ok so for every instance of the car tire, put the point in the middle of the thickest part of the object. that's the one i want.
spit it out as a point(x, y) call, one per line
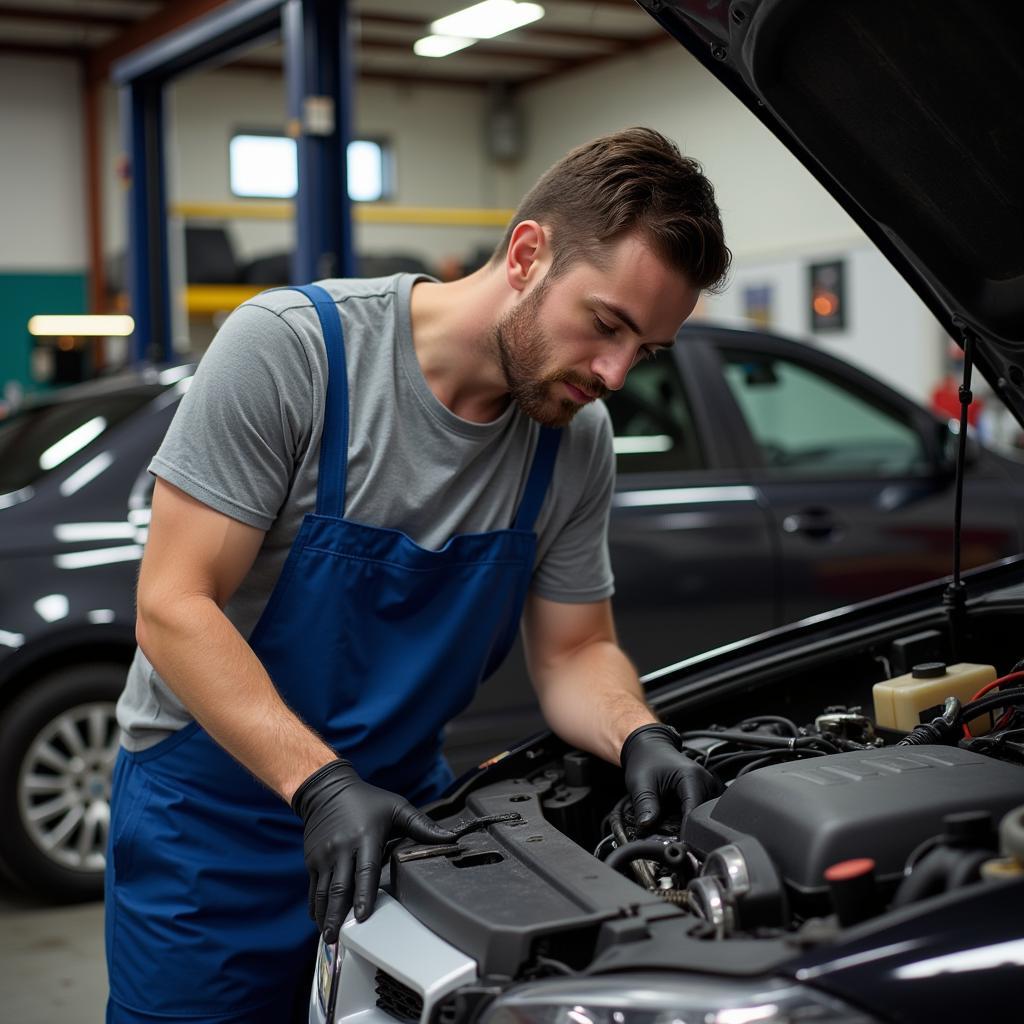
point(58, 742)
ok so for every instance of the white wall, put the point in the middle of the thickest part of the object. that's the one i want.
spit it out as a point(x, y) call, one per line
point(42, 186)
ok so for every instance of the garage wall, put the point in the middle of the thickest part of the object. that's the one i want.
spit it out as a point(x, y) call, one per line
point(42, 217)
point(888, 331)
point(777, 217)
point(436, 133)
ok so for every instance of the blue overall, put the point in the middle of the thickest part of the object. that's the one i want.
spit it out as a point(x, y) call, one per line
point(376, 643)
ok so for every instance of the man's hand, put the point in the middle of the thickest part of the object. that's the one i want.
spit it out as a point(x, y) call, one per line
point(347, 824)
point(654, 767)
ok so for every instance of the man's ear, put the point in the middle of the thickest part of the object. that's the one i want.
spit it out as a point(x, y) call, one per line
point(528, 255)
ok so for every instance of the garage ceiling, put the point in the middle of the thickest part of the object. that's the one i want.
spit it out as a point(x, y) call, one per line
point(572, 34)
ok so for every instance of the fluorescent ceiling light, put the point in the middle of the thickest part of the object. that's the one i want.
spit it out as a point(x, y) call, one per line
point(488, 19)
point(439, 46)
point(51, 326)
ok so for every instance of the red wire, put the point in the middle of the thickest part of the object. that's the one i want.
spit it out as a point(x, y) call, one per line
point(991, 686)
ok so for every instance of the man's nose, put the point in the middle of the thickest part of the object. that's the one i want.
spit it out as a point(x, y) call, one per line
point(612, 367)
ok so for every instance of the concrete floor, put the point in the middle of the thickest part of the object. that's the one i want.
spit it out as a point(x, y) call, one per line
point(52, 967)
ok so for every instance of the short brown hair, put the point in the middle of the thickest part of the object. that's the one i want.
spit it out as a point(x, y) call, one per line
point(634, 179)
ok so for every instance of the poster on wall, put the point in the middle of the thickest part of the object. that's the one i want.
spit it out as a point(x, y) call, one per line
point(757, 304)
point(827, 288)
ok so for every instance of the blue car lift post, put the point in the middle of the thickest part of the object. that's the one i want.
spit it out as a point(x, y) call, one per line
point(318, 72)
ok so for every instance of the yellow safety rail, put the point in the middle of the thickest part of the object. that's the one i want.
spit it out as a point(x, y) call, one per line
point(443, 216)
point(206, 299)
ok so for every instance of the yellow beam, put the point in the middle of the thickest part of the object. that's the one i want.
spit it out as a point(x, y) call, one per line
point(444, 216)
point(205, 299)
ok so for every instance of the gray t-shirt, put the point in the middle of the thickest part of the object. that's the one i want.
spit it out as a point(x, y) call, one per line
point(246, 442)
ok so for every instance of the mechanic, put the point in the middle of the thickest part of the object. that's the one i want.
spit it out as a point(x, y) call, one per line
point(367, 486)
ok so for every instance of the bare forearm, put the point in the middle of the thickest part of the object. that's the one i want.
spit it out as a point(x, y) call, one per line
point(216, 675)
point(593, 699)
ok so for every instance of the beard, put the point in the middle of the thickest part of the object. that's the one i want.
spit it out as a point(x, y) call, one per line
point(525, 353)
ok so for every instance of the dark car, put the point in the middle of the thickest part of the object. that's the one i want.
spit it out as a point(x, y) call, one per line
point(715, 485)
point(865, 860)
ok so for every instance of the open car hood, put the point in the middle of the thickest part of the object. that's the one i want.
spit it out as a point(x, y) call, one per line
point(910, 114)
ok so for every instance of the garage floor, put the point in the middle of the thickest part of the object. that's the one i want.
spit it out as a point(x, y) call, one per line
point(52, 966)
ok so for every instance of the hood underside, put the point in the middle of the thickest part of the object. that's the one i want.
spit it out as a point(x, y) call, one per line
point(910, 114)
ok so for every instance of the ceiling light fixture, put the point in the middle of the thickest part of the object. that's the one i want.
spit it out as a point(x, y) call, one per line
point(440, 46)
point(83, 325)
point(488, 19)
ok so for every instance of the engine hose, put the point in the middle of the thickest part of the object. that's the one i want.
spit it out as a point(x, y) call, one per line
point(642, 870)
point(996, 699)
point(940, 870)
point(671, 855)
point(766, 740)
point(969, 868)
point(927, 879)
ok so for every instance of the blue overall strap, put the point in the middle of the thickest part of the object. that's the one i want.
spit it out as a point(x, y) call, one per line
point(540, 477)
point(330, 492)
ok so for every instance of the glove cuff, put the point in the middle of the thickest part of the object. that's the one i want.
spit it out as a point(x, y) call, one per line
point(312, 783)
point(651, 730)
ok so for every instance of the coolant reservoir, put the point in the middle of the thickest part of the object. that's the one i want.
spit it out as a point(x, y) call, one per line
point(900, 701)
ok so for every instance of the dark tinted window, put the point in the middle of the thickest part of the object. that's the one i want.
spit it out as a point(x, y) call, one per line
point(41, 438)
point(808, 423)
point(652, 422)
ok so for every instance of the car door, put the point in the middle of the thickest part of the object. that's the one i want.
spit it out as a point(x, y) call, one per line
point(691, 539)
point(856, 477)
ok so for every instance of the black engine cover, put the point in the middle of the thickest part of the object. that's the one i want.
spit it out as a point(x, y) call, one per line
point(873, 803)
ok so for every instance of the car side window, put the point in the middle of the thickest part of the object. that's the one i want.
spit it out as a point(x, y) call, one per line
point(808, 423)
point(651, 421)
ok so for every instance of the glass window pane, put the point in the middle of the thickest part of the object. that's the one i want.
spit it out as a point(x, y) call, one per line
point(651, 421)
point(365, 171)
point(266, 167)
point(807, 423)
point(263, 166)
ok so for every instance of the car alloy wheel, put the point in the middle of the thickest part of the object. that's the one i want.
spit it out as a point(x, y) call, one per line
point(64, 785)
point(58, 743)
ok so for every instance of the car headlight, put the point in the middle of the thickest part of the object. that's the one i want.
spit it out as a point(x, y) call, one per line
point(328, 967)
point(657, 999)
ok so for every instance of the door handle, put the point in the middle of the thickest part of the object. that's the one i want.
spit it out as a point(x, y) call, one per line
point(818, 524)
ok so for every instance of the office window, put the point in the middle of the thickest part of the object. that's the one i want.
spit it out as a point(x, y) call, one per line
point(263, 166)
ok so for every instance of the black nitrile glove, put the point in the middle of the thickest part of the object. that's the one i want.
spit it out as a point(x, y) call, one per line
point(348, 822)
point(654, 767)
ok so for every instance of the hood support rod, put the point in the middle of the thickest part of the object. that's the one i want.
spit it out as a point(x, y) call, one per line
point(955, 596)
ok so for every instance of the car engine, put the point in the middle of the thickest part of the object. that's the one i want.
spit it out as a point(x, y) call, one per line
point(824, 818)
point(832, 817)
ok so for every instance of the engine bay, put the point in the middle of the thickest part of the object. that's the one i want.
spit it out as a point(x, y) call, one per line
point(829, 822)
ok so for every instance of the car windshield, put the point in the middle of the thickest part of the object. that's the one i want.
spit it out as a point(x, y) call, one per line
point(42, 437)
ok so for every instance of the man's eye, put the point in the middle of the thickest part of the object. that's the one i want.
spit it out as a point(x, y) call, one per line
point(648, 353)
point(602, 327)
